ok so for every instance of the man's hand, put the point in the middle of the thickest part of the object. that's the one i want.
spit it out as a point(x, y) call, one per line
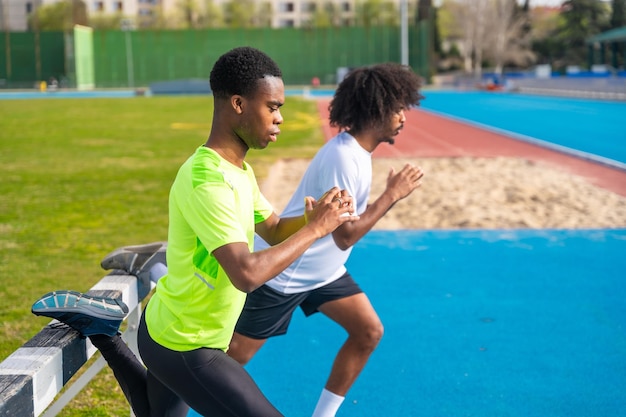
point(401, 184)
point(332, 210)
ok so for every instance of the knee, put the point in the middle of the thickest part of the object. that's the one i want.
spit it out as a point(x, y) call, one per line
point(377, 333)
point(370, 335)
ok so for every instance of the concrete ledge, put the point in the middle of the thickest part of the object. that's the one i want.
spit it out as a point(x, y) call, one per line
point(32, 376)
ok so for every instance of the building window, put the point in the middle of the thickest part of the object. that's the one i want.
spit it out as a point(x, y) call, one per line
point(29, 8)
point(286, 23)
point(310, 7)
point(99, 6)
point(119, 6)
point(286, 7)
point(345, 6)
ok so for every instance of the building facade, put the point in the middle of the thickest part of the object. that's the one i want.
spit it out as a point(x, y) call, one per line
point(278, 13)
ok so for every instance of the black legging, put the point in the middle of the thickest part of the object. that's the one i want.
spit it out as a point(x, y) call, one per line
point(208, 380)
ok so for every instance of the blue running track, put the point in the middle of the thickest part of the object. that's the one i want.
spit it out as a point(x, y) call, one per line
point(486, 323)
point(593, 126)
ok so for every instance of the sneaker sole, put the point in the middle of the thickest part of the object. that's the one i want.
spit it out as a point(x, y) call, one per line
point(60, 302)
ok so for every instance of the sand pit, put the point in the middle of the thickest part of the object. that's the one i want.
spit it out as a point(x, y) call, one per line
point(478, 193)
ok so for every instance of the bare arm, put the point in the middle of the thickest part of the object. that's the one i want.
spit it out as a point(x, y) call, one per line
point(276, 229)
point(248, 270)
point(399, 186)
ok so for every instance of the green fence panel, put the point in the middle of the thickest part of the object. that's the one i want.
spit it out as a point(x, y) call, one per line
point(83, 57)
point(29, 57)
point(5, 60)
point(21, 55)
point(143, 57)
point(138, 58)
point(52, 55)
point(420, 49)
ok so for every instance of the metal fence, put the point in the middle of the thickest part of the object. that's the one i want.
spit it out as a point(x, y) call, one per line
point(26, 58)
point(130, 59)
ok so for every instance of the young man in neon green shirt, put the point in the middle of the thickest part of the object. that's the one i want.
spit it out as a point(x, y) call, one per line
point(215, 207)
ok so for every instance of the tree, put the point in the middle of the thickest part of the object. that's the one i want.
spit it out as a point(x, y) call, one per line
point(580, 19)
point(447, 21)
point(618, 19)
point(321, 19)
point(429, 14)
point(239, 13)
point(508, 35)
point(212, 16)
point(377, 13)
point(495, 30)
point(544, 42)
point(190, 12)
point(157, 20)
point(424, 8)
point(106, 21)
point(368, 13)
point(263, 17)
point(61, 16)
point(470, 16)
point(618, 13)
point(449, 36)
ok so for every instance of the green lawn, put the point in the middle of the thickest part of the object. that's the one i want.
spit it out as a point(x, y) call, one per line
point(81, 177)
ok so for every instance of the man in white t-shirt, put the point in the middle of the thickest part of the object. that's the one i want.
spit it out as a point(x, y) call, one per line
point(368, 107)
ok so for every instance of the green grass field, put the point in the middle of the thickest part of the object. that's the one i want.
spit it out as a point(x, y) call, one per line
point(81, 177)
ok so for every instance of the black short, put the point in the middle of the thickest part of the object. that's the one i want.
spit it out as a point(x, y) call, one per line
point(268, 312)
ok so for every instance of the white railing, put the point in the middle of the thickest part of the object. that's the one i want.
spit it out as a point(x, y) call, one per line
point(33, 375)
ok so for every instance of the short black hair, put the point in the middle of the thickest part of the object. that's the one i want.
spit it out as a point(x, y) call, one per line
point(238, 70)
point(370, 95)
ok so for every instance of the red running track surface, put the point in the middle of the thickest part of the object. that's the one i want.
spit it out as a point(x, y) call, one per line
point(428, 135)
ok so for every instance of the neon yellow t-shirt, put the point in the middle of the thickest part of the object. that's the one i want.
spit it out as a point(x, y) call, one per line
point(212, 203)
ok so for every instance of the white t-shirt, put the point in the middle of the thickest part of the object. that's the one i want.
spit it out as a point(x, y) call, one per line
point(340, 162)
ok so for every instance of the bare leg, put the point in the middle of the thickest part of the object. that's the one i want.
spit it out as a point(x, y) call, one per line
point(243, 348)
point(357, 316)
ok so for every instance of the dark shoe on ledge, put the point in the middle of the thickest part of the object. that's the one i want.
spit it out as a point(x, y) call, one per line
point(147, 262)
point(89, 315)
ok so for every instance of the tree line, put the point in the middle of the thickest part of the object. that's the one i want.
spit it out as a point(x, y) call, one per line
point(468, 35)
point(205, 14)
point(496, 34)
